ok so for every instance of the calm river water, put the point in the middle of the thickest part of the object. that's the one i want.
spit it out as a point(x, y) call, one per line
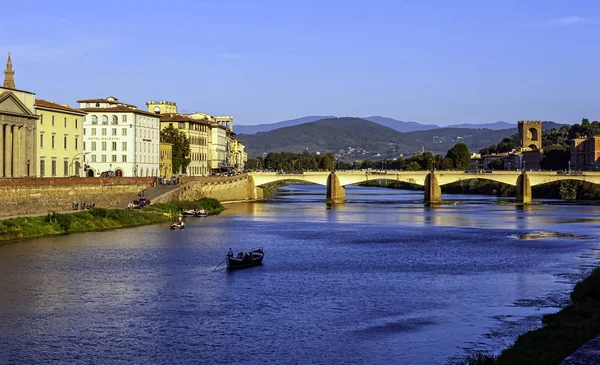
point(379, 280)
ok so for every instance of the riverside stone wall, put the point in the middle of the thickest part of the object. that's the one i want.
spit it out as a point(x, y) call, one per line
point(23, 196)
point(236, 188)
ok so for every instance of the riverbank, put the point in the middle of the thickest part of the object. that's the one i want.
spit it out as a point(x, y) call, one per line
point(97, 219)
point(561, 334)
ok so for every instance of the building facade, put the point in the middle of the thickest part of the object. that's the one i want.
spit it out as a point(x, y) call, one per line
point(585, 153)
point(59, 140)
point(166, 160)
point(18, 125)
point(121, 138)
point(196, 130)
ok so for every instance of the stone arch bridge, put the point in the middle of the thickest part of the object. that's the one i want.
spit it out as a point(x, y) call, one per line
point(431, 180)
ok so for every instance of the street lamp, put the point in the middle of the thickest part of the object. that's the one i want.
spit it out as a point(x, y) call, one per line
point(73, 160)
point(569, 171)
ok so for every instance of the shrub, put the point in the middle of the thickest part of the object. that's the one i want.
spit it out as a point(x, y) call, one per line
point(98, 212)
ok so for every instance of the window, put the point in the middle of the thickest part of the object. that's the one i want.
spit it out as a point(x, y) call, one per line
point(42, 119)
point(83, 148)
point(93, 131)
point(93, 158)
point(124, 119)
point(124, 158)
point(93, 146)
point(94, 119)
point(65, 122)
point(124, 146)
point(75, 123)
point(103, 158)
point(53, 140)
point(114, 131)
point(53, 167)
point(42, 167)
point(66, 167)
point(114, 120)
point(97, 105)
point(114, 158)
point(114, 146)
point(104, 120)
point(41, 140)
point(104, 131)
point(53, 125)
point(103, 146)
point(76, 142)
point(84, 129)
point(65, 140)
point(124, 132)
point(181, 125)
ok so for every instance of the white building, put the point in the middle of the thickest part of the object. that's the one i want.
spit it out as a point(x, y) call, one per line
point(119, 137)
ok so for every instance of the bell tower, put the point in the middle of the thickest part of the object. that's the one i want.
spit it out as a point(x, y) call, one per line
point(9, 75)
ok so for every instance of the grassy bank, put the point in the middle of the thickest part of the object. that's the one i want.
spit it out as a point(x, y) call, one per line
point(562, 333)
point(98, 219)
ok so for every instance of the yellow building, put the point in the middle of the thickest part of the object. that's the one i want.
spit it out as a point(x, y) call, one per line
point(197, 131)
point(166, 160)
point(17, 128)
point(162, 107)
point(59, 139)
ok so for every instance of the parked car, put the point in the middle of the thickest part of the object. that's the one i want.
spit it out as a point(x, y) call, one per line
point(144, 201)
point(108, 174)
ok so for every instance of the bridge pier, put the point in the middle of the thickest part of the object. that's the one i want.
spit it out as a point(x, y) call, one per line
point(252, 191)
point(433, 192)
point(336, 193)
point(524, 195)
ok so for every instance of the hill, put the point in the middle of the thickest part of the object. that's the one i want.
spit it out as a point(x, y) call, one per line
point(401, 126)
point(494, 126)
point(348, 138)
point(250, 129)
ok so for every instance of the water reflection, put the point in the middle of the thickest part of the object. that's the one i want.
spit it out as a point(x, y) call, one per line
point(376, 280)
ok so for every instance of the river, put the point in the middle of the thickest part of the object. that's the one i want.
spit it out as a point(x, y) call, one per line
point(378, 280)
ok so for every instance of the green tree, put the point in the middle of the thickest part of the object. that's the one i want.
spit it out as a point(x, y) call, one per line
point(460, 156)
point(413, 166)
point(181, 147)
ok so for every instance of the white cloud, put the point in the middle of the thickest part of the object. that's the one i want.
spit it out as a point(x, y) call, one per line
point(567, 20)
point(229, 56)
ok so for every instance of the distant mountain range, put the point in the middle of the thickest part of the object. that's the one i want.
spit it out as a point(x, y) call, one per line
point(356, 138)
point(398, 125)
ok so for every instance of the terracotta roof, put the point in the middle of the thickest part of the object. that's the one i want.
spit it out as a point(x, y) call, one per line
point(120, 109)
point(105, 101)
point(180, 118)
point(41, 103)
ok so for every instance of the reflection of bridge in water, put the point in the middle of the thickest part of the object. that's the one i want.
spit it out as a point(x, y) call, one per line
point(431, 180)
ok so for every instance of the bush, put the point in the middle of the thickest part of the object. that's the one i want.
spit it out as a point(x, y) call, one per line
point(98, 212)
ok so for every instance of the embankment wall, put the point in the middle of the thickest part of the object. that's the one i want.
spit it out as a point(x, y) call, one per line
point(22, 196)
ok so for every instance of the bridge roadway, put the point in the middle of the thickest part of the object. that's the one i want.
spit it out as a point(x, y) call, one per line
point(431, 180)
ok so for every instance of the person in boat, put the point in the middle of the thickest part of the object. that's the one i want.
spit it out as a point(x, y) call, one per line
point(230, 253)
point(240, 255)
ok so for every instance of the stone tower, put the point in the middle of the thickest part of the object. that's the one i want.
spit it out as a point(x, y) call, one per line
point(9, 75)
point(530, 133)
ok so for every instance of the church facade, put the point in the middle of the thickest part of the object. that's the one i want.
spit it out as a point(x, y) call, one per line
point(18, 128)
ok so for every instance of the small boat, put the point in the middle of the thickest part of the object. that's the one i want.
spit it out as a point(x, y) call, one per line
point(189, 212)
point(253, 258)
point(200, 213)
point(178, 225)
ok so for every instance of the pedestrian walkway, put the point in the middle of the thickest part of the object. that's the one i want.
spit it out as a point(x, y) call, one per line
point(586, 354)
point(150, 193)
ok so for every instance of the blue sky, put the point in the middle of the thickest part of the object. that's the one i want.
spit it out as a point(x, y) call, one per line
point(439, 62)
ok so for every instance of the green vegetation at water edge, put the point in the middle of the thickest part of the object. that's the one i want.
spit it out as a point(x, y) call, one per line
point(91, 220)
point(561, 335)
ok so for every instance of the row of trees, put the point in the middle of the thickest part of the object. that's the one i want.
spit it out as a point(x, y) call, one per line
point(458, 157)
